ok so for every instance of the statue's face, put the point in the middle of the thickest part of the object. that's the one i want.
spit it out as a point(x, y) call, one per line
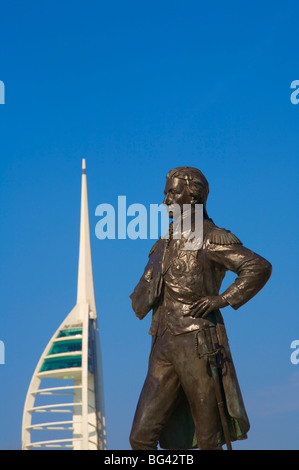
point(176, 192)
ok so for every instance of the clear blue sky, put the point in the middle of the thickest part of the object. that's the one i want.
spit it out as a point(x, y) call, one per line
point(137, 88)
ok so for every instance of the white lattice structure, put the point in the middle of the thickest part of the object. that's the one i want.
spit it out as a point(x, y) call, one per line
point(64, 407)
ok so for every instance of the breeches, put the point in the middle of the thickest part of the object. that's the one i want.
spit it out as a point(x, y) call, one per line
point(175, 363)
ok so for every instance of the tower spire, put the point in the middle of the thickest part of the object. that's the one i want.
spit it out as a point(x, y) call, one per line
point(85, 287)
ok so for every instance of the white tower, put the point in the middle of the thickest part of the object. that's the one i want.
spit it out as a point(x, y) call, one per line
point(64, 407)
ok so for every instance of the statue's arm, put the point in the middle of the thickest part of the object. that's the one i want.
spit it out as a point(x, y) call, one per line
point(139, 297)
point(147, 292)
point(253, 271)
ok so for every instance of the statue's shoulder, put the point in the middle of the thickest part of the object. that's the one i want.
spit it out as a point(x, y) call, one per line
point(220, 236)
point(159, 245)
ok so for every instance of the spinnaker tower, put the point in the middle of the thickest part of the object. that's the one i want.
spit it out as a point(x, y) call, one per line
point(64, 406)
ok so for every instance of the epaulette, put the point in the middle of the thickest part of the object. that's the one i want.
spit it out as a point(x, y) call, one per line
point(221, 236)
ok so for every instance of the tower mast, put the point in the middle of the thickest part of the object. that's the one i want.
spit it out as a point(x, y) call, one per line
point(85, 289)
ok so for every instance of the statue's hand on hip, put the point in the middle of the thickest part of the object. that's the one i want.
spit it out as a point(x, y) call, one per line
point(208, 304)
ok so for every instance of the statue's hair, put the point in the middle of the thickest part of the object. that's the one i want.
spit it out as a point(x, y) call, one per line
point(197, 183)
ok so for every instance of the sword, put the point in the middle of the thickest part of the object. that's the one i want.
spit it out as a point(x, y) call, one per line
point(212, 355)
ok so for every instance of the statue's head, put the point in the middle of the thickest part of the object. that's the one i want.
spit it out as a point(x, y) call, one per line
point(186, 185)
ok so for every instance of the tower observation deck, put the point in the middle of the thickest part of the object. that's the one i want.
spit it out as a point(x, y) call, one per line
point(64, 406)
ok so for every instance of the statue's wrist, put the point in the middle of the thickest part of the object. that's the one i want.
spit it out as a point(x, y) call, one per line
point(224, 301)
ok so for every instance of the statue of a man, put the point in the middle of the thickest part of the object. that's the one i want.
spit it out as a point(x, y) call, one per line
point(190, 361)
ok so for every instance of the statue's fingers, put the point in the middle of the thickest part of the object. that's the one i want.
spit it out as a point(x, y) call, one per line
point(200, 310)
point(206, 313)
point(200, 302)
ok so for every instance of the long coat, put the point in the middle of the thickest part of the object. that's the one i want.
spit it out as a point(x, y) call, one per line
point(188, 277)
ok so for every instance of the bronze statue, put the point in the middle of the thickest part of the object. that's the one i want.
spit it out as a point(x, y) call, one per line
point(191, 396)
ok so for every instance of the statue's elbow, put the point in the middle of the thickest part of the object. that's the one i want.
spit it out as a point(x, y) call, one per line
point(267, 270)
